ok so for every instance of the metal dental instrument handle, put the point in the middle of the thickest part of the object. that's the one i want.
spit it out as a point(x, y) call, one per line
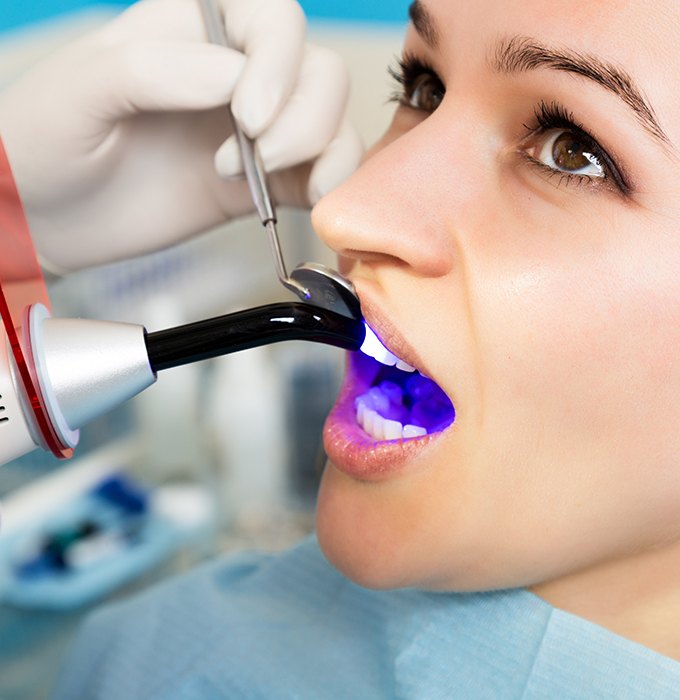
point(252, 163)
point(312, 282)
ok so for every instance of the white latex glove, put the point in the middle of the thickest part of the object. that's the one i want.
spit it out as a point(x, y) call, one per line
point(117, 140)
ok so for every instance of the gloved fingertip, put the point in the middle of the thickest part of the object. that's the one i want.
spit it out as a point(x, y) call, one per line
point(254, 113)
point(322, 181)
point(342, 157)
point(236, 177)
point(333, 168)
point(228, 161)
point(314, 194)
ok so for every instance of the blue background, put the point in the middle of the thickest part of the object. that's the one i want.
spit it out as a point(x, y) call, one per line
point(15, 14)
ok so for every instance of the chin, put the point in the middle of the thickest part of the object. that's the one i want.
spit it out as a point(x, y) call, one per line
point(381, 537)
point(378, 561)
point(358, 536)
point(364, 565)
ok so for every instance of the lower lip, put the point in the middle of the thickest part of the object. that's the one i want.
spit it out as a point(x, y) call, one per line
point(357, 454)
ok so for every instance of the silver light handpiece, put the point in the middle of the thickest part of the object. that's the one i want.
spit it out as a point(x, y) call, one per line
point(84, 368)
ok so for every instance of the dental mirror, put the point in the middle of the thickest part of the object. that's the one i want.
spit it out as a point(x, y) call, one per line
point(327, 288)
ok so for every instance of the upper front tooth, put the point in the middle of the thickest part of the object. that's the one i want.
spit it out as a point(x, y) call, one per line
point(385, 357)
point(371, 344)
point(405, 366)
point(373, 347)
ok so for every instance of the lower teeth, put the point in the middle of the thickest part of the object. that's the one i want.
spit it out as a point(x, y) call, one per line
point(380, 428)
point(385, 413)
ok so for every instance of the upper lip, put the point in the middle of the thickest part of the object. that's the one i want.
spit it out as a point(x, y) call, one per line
point(388, 334)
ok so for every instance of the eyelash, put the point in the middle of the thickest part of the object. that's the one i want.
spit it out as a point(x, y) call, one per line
point(405, 73)
point(548, 117)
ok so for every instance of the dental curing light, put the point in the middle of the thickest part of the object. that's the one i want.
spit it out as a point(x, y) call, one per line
point(56, 374)
point(79, 369)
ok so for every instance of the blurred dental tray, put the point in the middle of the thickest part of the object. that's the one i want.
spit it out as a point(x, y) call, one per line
point(107, 537)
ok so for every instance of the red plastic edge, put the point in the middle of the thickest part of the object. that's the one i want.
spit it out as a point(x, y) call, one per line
point(21, 285)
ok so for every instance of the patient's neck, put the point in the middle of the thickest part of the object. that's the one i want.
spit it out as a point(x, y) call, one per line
point(637, 597)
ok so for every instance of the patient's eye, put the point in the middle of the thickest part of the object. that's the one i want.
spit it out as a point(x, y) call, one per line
point(559, 146)
point(419, 86)
point(568, 151)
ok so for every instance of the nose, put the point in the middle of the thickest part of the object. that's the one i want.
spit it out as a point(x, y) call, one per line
point(406, 204)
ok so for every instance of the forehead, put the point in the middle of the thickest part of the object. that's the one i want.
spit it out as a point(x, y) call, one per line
point(636, 25)
point(640, 36)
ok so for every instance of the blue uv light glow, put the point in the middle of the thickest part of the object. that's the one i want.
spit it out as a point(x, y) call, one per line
point(419, 401)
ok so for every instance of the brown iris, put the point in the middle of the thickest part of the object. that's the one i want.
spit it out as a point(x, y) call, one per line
point(427, 93)
point(571, 153)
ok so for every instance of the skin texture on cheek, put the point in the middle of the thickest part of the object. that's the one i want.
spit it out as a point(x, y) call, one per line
point(574, 358)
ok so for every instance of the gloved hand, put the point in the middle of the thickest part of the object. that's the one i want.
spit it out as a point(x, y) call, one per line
point(117, 140)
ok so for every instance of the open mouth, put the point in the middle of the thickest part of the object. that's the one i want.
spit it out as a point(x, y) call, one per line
point(397, 402)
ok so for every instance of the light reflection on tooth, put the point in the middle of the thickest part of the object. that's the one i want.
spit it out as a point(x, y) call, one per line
point(378, 400)
point(385, 357)
point(404, 366)
point(378, 432)
point(392, 429)
point(361, 411)
point(392, 392)
point(375, 349)
point(380, 428)
point(369, 420)
point(371, 345)
point(412, 431)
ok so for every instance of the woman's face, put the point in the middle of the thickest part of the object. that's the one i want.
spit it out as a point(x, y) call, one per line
point(515, 236)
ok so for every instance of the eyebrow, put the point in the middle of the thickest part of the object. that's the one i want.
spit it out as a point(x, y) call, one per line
point(519, 54)
point(422, 21)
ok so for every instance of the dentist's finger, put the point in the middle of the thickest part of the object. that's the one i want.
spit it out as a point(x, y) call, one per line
point(303, 185)
point(308, 122)
point(339, 160)
point(268, 35)
point(143, 76)
point(272, 35)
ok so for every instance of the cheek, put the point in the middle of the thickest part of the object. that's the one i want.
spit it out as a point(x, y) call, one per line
point(592, 344)
point(580, 385)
